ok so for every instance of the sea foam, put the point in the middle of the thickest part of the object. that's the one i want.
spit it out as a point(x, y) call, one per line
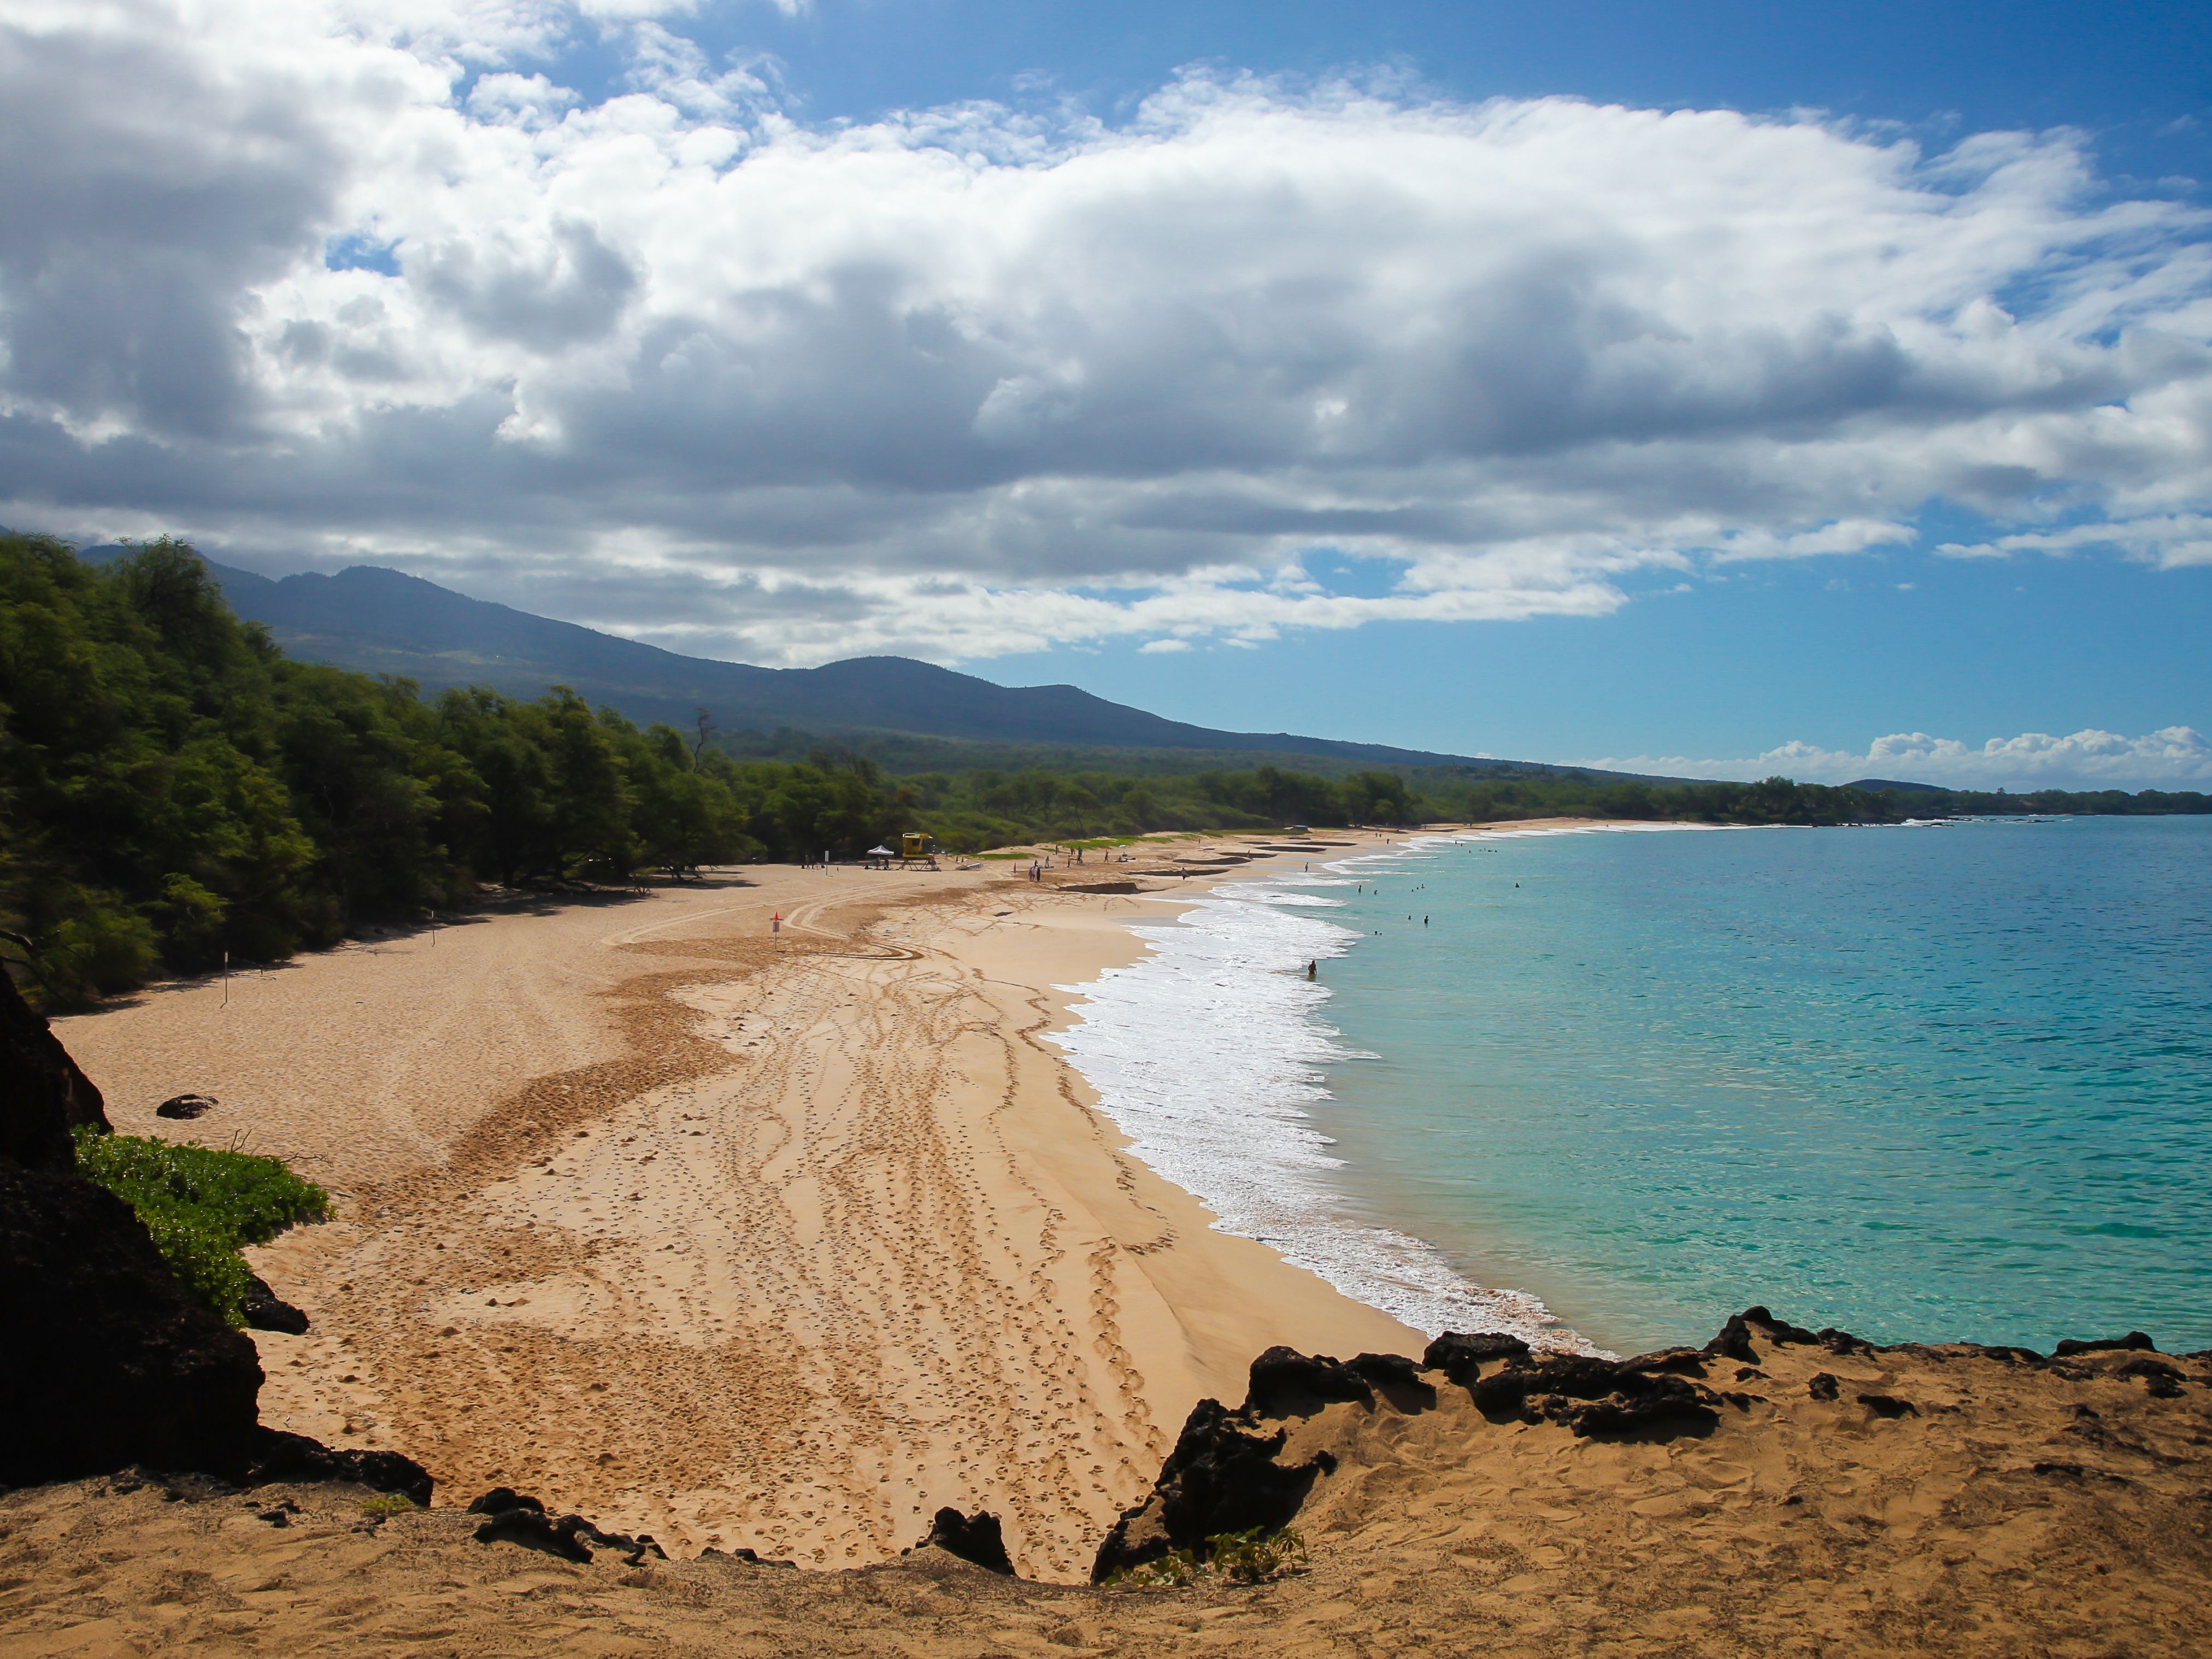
point(1206, 1054)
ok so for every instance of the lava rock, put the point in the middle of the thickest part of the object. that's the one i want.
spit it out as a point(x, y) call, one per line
point(42, 1095)
point(1734, 1342)
point(1889, 1404)
point(106, 1363)
point(977, 1537)
point(279, 1457)
point(1222, 1477)
point(2163, 1381)
point(1821, 1386)
point(1396, 1378)
point(1287, 1383)
point(187, 1106)
point(265, 1310)
point(754, 1556)
point(525, 1522)
point(1682, 1362)
point(1595, 1396)
point(104, 1360)
point(1460, 1354)
point(2134, 1341)
point(501, 1499)
point(534, 1530)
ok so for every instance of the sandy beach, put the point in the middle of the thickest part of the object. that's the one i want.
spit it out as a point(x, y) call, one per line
point(781, 1241)
point(742, 1239)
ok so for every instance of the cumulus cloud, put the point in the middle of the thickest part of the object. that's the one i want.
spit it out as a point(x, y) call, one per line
point(340, 279)
point(2177, 757)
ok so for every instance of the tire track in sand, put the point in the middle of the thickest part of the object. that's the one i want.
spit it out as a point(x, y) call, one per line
point(773, 1278)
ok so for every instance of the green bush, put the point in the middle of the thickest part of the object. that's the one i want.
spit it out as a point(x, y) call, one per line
point(202, 1206)
point(1257, 1557)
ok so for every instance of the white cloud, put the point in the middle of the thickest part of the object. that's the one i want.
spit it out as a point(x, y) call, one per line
point(2177, 757)
point(975, 380)
point(2169, 542)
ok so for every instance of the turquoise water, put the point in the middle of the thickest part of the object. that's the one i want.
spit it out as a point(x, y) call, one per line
point(1923, 1083)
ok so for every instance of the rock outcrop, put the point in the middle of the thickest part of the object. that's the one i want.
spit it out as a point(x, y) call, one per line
point(1222, 1477)
point(1312, 1429)
point(104, 1361)
point(510, 1518)
point(976, 1538)
point(42, 1095)
point(277, 1456)
point(265, 1310)
point(1651, 1392)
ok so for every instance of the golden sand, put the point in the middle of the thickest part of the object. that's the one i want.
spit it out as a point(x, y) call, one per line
point(778, 1241)
point(1988, 1509)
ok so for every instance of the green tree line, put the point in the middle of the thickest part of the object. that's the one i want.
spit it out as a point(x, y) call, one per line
point(174, 788)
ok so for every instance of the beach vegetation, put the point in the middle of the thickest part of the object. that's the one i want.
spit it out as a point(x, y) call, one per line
point(202, 1206)
point(1256, 1557)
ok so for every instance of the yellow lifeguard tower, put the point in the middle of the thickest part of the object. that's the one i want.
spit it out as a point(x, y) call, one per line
point(914, 849)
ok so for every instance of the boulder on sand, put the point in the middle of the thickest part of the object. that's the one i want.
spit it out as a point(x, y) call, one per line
point(976, 1538)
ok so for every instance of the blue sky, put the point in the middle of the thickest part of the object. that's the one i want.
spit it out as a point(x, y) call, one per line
point(1898, 642)
point(1841, 401)
point(2134, 74)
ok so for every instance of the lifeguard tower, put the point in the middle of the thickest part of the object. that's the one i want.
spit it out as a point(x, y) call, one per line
point(915, 851)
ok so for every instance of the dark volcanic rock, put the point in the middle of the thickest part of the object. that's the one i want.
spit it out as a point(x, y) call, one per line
point(1396, 1378)
point(265, 1310)
point(1221, 1477)
point(975, 1538)
point(534, 1530)
point(1821, 1385)
point(1734, 1342)
point(1682, 1362)
point(2163, 1381)
point(187, 1106)
point(278, 1456)
point(523, 1520)
point(500, 1499)
point(43, 1095)
point(2068, 1347)
point(1597, 1397)
point(1460, 1355)
point(1288, 1383)
point(1889, 1404)
point(104, 1360)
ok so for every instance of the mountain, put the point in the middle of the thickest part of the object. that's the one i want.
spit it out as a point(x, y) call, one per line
point(385, 622)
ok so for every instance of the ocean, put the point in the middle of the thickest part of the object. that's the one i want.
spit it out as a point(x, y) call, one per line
point(1943, 1081)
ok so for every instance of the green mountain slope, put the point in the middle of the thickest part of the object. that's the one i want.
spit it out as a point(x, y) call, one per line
point(381, 621)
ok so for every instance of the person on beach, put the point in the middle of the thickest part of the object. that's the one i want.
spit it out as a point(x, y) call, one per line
point(775, 923)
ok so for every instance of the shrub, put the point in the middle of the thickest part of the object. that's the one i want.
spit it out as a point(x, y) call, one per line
point(1256, 1557)
point(202, 1206)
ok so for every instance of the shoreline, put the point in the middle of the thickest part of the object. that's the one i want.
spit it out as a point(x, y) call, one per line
point(744, 1241)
